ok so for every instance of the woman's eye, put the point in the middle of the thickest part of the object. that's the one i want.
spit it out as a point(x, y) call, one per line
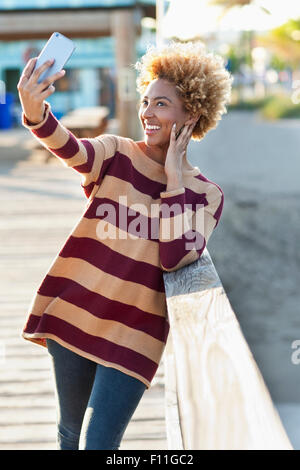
point(143, 102)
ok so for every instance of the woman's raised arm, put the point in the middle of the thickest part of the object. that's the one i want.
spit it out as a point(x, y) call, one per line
point(90, 157)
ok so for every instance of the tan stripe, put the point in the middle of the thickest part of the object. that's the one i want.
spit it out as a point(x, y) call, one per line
point(123, 192)
point(36, 336)
point(39, 304)
point(174, 192)
point(113, 331)
point(201, 187)
point(213, 205)
point(109, 286)
point(99, 148)
point(209, 225)
point(174, 227)
point(105, 147)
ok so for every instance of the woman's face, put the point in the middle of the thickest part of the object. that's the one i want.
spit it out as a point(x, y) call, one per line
point(160, 106)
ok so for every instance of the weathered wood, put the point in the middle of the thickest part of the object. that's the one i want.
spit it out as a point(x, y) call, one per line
point(174, 437)
point(222, 398)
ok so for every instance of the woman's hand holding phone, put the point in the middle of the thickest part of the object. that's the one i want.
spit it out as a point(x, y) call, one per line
point(32, 94)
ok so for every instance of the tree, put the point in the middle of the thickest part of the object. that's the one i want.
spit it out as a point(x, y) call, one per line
point(284, 42)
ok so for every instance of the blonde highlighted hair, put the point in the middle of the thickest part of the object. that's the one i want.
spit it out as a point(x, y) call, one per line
point(200, 78)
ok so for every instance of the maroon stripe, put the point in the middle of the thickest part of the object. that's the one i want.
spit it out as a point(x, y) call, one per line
point(90, 150)
point(217, 214)
point(194, 198)
point(173, 251)
point(89, 187)
point(68, 150)
point(175, 205)
point(206, 180)
point(47, 128)
point(102, 307)
point(98, 347)
point(178, 202)
point(112, 262)
point(122, 168)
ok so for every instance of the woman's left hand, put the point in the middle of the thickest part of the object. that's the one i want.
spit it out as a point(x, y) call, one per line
point(177, 149)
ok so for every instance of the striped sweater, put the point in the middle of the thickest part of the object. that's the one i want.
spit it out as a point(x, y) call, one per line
point(103, 296)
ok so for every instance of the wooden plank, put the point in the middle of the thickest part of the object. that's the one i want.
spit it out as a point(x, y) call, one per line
point(223, 400)
point(174, 437)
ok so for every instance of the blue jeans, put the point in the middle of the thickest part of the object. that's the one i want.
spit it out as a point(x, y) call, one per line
point(95, 402)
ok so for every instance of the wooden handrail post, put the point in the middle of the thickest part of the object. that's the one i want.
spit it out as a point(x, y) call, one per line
point(222, 399)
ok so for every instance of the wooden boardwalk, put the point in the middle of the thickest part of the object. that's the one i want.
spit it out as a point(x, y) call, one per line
point(40, 204)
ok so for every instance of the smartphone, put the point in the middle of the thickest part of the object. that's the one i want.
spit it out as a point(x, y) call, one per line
point(58, 47)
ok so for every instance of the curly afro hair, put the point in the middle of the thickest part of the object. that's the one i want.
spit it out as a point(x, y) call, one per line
point(200, 80)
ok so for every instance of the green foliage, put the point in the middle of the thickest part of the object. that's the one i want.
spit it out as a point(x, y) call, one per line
point(250, 104)
point(277, 63)
point(235, 59)
point(284, 42)
point(272, 107)
point(279, 107)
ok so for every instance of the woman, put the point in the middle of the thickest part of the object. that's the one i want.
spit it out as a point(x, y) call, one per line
point(101, 308)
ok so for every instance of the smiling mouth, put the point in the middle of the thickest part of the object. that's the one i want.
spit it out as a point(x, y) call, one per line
point(151, 131)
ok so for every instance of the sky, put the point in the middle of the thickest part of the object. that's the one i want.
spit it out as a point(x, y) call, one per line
point(187, 18)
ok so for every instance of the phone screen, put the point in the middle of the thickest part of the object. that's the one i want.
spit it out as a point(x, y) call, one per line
point(58, 47)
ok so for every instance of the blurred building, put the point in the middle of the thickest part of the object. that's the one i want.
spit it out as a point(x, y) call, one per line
point(92, 71)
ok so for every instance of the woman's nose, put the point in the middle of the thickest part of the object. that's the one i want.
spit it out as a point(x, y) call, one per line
point(147, 111)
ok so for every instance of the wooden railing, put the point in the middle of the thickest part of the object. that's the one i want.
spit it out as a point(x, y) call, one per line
point(215, 395)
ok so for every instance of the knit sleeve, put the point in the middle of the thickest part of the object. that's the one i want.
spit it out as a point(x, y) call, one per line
point(90, 156)
point(184, 229)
